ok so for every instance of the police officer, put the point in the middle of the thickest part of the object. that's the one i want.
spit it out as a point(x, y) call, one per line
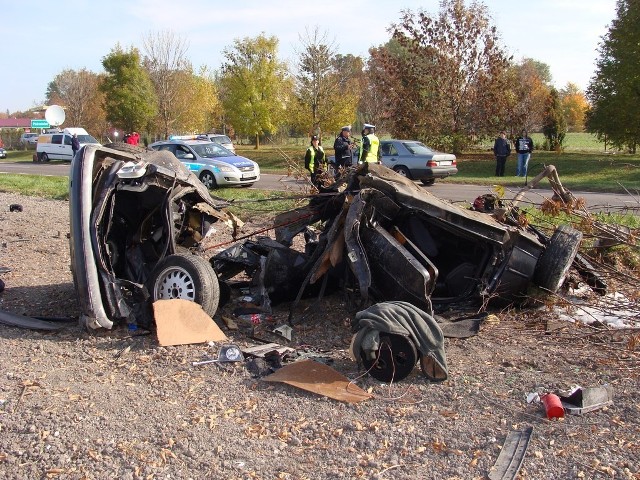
point(370, 151)
point(315, 160)
point(343, 147)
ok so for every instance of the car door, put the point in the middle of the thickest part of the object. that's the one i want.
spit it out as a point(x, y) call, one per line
point(389, 154)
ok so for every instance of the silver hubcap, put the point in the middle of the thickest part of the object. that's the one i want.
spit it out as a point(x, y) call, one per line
point(207, 180)
point(173, 283)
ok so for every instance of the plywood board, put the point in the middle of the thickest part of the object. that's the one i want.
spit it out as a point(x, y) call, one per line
point(321, 379)
point(181, 322)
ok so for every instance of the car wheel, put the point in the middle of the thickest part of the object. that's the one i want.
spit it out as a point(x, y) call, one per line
point(209, 180)
point(126, 147)
point(394, 360)
point(555, 261)
point(403, 171)
point(188, 277)
point(44, 157)
point(427, 182)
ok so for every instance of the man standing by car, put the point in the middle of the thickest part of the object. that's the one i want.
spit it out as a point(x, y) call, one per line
point(501, 149)
point(370, 145)
point(75, 144)
point(343, 147)
point(524, 147)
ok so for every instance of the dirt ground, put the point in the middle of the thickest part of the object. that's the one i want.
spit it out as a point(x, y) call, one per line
point(115, 404)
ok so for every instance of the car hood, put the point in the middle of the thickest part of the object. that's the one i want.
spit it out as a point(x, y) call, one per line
point(236, 161)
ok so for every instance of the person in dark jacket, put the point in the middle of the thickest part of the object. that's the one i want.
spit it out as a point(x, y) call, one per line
point(501, 149)
point(524, 147)
point(75, 144)
point(343, 147)
point(315, 160)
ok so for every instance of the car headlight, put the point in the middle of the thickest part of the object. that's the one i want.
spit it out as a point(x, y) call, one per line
point(225, 169)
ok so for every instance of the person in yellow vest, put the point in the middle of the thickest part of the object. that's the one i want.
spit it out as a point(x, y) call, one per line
point(315, 160)
point(370, 151)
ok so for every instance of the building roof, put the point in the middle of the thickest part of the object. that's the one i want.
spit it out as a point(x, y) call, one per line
point(15, 123)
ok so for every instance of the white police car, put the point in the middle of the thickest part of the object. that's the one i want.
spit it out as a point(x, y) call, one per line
point(213, 164)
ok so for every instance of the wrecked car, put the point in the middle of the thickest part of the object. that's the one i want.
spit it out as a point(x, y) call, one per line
point(134, 215)
point(386, 238)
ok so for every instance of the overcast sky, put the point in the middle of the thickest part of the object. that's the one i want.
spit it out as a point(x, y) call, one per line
point(42, 38)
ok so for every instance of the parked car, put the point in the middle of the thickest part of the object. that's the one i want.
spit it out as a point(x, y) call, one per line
point(3, 153)
point(222, 140)
point(414, 160)
point(57, 146)
point(29, 138)
point(213, 164)
point(133, 215)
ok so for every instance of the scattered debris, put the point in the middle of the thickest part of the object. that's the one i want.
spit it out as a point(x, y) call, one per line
point(22, 321)
point(511, 455)
point(227, 353)
point(262, 350)
point(284, 331)
point(321, 379)
point(15, 207)
point(182, 322)
point(583, 400)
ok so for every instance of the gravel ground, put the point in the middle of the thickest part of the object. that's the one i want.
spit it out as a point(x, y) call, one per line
point(114, 405)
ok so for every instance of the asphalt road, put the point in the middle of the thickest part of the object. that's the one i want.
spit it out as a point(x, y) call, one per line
point(453, 192)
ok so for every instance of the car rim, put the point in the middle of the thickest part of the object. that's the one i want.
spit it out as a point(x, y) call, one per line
point(207, 180)
point(174, 282)
point(402, 172)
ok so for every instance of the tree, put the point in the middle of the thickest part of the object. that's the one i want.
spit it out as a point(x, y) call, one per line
point(130, 101)
point(574, 106)
point(256, 86)
point(79, 93)
point(446, 80)
point(325, 86)
point(555, 125)
point(202, 106)
point(614, 91)
point(167, 65)
point(526, 95)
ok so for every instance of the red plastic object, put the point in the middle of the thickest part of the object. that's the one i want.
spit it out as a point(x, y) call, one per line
point(552, 405)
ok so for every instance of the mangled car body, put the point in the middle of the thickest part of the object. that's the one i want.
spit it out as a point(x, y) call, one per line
point(388, 239)
point(133, 217)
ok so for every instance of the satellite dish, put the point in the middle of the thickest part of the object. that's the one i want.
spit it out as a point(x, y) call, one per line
point(54, 115)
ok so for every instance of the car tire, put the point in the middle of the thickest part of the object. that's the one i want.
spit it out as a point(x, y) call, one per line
point(404, 171)
point(554, 263)
point(395, 359)
point(44, 157)
point(427, 182)
point(209, 180)
point(185, 276)
point(126, 147)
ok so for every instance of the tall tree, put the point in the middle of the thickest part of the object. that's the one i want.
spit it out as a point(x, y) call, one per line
point(205, 113)
point(78, 92)
point(167, 65)
point(555, 125)
point(526, 95)
point(574, 106)
point(451, 74)
point(256, 86)
point(614, 91)
point(325, 86)
point(130, 101)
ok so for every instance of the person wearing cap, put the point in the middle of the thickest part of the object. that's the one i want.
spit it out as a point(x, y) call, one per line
point(314, 159)
point(370, 151)
point(343, 147)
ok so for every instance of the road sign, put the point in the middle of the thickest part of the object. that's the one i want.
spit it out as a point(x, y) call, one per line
point(39, 123)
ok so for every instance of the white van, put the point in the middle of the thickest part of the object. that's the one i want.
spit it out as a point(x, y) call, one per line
point(57, 145)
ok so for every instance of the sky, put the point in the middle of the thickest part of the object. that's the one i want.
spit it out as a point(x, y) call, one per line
point(43, 38)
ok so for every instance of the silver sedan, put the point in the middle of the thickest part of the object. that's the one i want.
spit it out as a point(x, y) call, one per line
point(414, 160)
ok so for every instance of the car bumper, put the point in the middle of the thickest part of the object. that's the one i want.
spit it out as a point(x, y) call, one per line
point(436, 172)
point(228, 180)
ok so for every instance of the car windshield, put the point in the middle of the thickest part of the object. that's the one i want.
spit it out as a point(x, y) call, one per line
point(418, 148)
point(86, 139)
point(210, 150)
